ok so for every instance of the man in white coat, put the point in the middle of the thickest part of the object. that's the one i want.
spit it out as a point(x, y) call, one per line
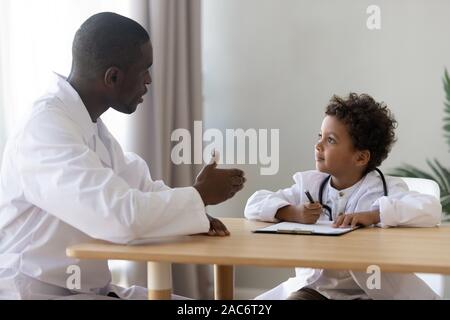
point(66, 180)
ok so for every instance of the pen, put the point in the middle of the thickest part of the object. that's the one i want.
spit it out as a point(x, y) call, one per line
point(311, 200)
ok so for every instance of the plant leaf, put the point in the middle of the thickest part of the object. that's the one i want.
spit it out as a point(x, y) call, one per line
point(445, 173)
point(439, 175)
point(412, 172)
point(446, 126)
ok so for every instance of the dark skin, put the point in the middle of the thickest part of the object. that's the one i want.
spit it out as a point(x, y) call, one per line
point(119, 89)
point(123, 90)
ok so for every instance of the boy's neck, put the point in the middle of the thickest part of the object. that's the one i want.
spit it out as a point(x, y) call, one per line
point(341, 183)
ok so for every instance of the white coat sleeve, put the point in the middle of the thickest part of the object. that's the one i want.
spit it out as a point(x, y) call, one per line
point(264, 204)
point(62, 176)
point(402, 208)
point(136, 172)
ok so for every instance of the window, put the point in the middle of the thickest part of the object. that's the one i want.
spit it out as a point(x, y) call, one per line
point(36, 39)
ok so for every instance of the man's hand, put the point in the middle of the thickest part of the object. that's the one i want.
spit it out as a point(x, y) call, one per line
point(217, 185)
point(216, 227)
point(357, 219)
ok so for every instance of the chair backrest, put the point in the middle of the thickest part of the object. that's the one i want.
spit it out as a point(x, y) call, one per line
point(430, 187)
point(425, 186)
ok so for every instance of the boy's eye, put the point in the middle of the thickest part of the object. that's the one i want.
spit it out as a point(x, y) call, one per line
point(331, 140)
point(319, 136)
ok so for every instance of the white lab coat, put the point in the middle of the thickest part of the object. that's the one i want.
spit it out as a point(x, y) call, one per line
point(400, 208)
point(66, 180)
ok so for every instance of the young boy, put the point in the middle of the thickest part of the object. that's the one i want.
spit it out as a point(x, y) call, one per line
point(356, 136)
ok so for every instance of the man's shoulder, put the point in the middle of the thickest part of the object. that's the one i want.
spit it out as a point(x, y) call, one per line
point(46, 119)
point(47, 109)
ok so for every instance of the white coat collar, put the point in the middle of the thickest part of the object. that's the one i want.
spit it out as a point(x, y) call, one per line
point(344, 193)
point(76, 110)
point(74, 106)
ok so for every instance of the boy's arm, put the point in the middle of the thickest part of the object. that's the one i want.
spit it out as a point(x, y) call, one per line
point(400, 208)
point(263, 205)
point(409, 209)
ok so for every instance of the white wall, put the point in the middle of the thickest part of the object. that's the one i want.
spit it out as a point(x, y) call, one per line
point(275, 64)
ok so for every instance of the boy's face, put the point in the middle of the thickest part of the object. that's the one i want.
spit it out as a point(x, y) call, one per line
point(335, 153)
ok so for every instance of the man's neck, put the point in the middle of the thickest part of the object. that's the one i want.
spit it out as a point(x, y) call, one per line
point(90, 97)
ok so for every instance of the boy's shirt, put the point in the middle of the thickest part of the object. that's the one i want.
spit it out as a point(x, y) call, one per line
point(400, 208)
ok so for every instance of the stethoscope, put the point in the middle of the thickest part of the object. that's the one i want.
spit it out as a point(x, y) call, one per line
point(325, 181)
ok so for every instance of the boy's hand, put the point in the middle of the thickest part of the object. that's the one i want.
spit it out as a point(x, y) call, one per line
point(305, 213)
point(310, 213)
point(216, 227)
point(357, 219)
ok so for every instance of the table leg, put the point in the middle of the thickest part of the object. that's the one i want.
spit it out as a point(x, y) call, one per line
point(223, 282)
point(159, 280)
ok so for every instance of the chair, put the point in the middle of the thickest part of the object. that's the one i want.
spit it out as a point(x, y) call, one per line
point(426, 186)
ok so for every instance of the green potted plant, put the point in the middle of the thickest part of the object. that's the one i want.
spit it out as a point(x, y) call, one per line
point(439, 173)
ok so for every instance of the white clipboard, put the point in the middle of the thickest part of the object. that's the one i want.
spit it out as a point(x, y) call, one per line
point(322, 228)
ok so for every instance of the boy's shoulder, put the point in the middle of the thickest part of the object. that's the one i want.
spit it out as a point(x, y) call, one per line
point(373, 184)
point(373, 178)
point(306, 178)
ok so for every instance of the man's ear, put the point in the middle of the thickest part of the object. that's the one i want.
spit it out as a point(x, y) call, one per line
point(113, 77)
point(362, 157)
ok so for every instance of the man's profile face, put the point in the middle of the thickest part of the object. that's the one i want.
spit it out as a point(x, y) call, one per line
point(136, 79)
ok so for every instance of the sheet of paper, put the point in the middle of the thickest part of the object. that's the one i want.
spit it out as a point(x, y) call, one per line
point(321, 227)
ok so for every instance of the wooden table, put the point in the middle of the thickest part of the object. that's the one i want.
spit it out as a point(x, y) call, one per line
point(393, 250)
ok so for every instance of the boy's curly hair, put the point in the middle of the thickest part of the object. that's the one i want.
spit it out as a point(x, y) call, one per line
point(370, 124)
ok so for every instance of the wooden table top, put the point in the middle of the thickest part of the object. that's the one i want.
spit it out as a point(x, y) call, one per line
point(393, 249)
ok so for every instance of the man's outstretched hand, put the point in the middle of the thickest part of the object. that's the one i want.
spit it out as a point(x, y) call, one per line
point(217, 185)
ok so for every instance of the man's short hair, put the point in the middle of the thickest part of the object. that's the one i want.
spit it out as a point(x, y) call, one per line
point(370, 124)
point(104, 40)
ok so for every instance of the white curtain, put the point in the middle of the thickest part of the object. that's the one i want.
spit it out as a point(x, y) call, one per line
point(174, 101)
point(36, 39)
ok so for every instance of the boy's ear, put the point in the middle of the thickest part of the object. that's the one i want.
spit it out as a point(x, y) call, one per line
point(113, 77)
point(362, 157)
